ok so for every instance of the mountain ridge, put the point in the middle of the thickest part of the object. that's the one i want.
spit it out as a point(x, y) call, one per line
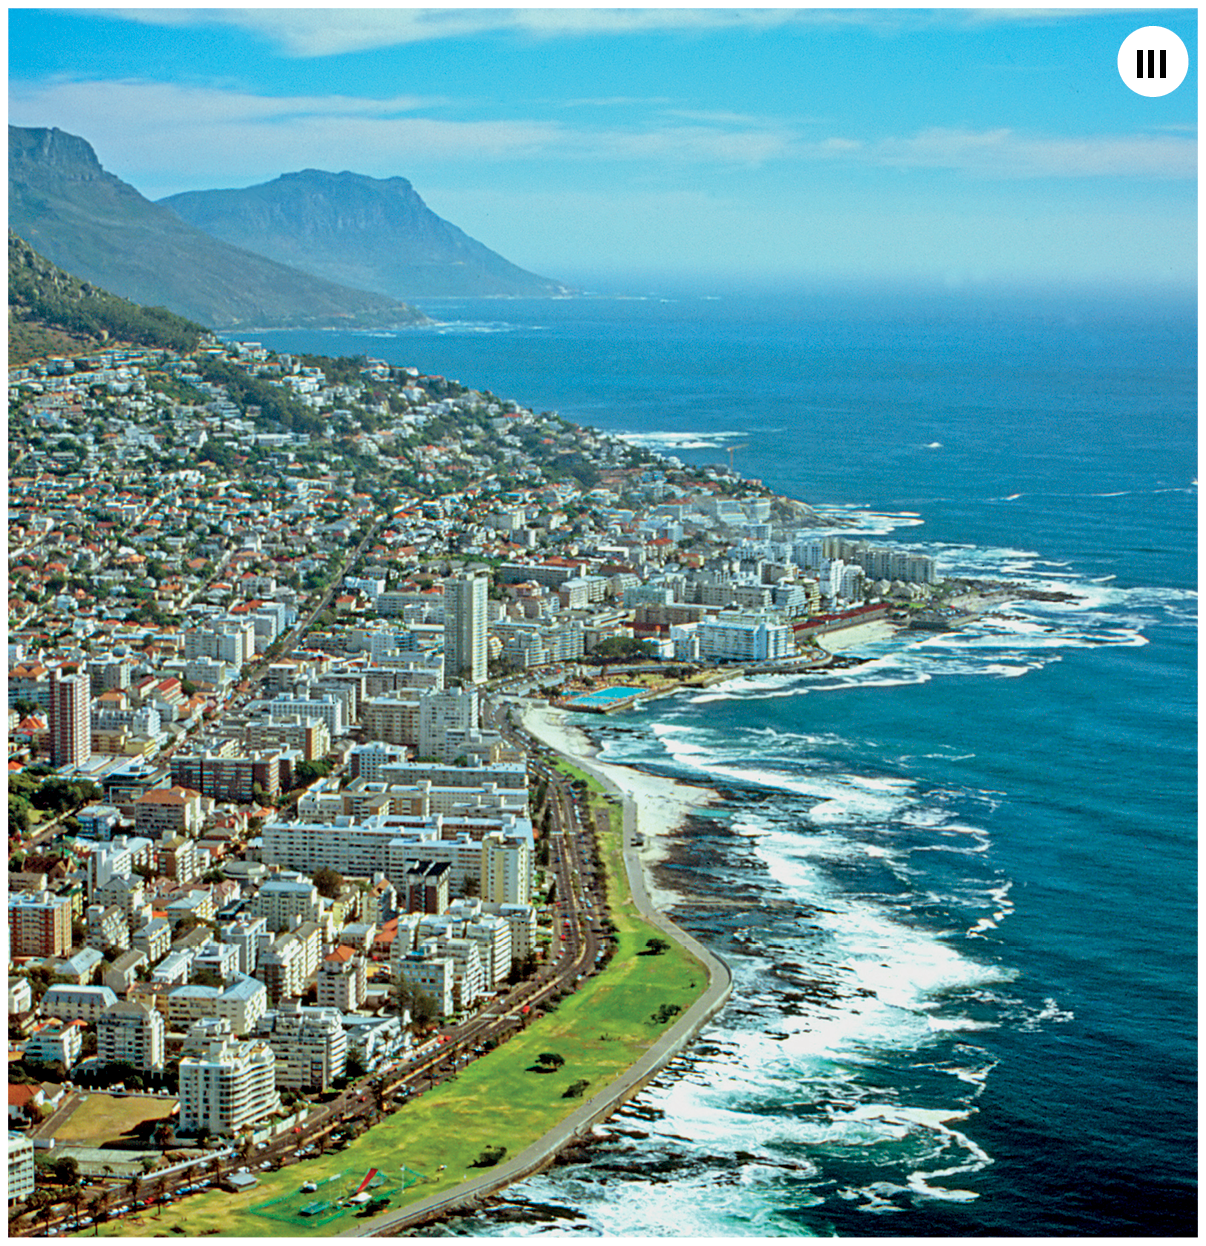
point(373, 233)
point(100, 229)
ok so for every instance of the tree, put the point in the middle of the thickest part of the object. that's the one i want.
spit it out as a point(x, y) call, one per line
point(656, 947)
point(66, 1169)
point(43, 1206)
point(328, 881)
point(551, 1060)
point(164, 1136)
point(98, 1209)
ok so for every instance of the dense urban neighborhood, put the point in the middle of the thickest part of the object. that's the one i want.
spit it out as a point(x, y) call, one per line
point(281, 855)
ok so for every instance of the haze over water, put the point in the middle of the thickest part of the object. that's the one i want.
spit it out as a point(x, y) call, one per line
point(956, 883)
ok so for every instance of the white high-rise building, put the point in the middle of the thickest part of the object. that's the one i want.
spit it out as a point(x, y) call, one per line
point(455, 709)
point(465, 628)
point(310, 1045)
point(225, 1083)
point(506, 876)
point(131, 1033)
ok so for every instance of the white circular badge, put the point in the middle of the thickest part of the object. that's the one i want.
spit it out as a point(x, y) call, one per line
point(1153, 61)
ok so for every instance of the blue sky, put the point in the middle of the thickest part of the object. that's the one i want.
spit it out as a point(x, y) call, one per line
point(957, 148)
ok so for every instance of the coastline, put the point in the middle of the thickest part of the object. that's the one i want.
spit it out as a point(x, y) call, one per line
point(658, 806)
point(661, 804)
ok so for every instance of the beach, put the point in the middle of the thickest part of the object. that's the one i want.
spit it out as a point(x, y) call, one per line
point(860, 634)
point(662, 805)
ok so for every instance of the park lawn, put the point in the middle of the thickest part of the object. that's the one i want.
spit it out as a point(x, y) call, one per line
point(498, 1100)
point(570, 769)
point(101, 1118)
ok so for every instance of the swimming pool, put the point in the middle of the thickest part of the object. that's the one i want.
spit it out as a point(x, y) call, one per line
point(602, 697)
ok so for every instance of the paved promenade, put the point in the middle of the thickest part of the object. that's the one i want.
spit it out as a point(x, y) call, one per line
point(601, 1106)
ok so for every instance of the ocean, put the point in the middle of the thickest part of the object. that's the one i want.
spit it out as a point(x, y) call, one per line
point(957, 881)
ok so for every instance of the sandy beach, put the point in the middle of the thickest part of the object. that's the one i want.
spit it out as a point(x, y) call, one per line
point(662, 804)
point(860, 634)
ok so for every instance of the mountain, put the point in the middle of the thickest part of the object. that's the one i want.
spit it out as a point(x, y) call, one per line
point(51, 312)
point(95, 226)
point(361, 231)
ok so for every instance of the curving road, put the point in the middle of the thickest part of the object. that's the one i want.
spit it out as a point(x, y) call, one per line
point(598, 1108)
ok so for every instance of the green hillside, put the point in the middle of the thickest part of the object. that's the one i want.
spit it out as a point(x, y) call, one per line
point(51, 312)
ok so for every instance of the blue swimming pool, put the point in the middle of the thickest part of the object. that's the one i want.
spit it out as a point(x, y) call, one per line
point(605, 696)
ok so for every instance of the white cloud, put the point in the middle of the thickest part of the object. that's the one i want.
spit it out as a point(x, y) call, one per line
point(313, 32)
point(1004, 154)
point(219, 136)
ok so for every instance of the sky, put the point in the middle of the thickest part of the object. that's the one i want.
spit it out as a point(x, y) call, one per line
point(607, 147)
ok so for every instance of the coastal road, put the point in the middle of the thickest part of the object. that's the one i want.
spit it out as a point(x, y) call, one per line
point(602, 1105)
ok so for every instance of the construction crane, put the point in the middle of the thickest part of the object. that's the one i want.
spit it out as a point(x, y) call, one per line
point(743, 446)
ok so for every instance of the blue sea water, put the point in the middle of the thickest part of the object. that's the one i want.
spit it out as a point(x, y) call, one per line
point(957, 882)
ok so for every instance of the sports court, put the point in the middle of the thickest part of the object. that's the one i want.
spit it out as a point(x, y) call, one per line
point(335, 1196)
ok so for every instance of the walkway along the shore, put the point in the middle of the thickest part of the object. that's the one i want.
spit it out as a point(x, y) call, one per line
point(544, 1150)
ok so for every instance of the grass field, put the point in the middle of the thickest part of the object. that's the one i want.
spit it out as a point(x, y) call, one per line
point(102, 1118)
point(498, 1100)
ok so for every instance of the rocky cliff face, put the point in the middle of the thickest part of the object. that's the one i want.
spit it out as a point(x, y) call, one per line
point(376, 234)
point(96, 227)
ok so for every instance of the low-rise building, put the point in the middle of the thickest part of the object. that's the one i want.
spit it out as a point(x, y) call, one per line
point(77, 1003)
point(54, 1041)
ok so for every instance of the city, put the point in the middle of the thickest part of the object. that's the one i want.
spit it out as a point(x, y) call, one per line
point(281, 853)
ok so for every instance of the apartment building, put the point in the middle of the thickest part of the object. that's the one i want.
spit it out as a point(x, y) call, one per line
point(70, 719)
point(226, 1083)
point(55, 1041)
point(745, 636)
point(465, 628)
point(342, 981)
point(286, 897)
point(310, 1045)
point(170, 810)
point(20, 1167)
point(39, 924)
point(131, 1033)
point(77, 1003)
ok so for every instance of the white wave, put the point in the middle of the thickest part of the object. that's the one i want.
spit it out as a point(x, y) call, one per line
point(960, 1025)
point(683, 441)
point(1050, 1012)
point(445, 327)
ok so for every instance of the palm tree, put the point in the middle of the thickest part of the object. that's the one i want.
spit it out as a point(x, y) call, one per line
point(98, 1208)
point(133, 1186)
point(164, 1135)
point(75, 1196)
point(45, 1207)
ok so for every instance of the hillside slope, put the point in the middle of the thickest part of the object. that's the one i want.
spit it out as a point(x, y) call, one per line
point(51, 312)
